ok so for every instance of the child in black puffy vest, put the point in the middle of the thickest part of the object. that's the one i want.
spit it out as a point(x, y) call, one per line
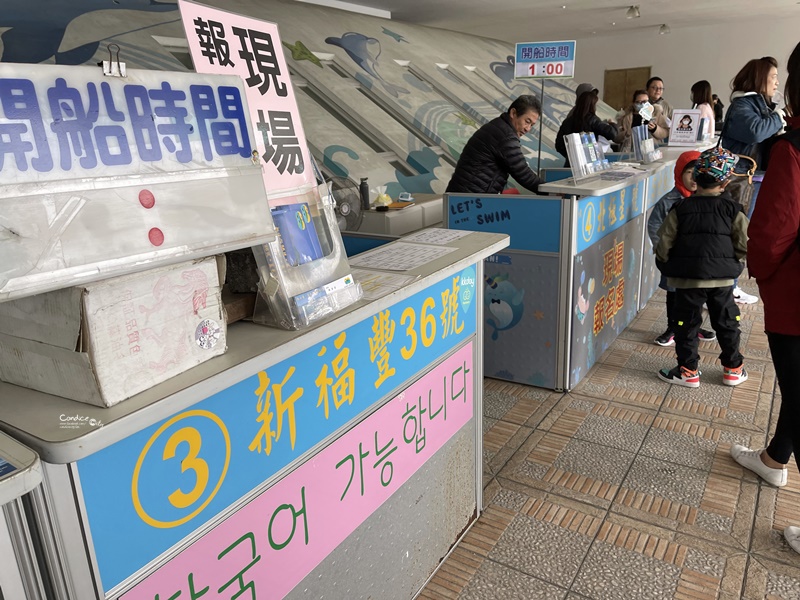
point(701, 249)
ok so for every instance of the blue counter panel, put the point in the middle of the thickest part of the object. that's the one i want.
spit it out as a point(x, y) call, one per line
point(149, 491)
point(605, 294)
point(521, 318)
point(600, 216)
point(356, 244)
point(533, 222)
point(650, 273)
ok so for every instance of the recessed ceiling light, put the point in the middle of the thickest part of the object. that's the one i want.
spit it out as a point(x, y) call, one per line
point(613, 24)
point(632, 13)
point(664, 29)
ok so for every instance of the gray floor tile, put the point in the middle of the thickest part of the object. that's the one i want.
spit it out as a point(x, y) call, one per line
point(494, 580)
point(612, 573)
point(541, 549)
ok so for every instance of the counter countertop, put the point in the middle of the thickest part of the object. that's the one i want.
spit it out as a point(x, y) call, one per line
point(26, 473)
point(36, 418)
point(599, 187)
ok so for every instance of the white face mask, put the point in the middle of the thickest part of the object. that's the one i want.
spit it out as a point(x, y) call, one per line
point(646, 111)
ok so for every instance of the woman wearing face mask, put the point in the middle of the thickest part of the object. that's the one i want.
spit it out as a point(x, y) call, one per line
point(702, 100)
point(657, 126)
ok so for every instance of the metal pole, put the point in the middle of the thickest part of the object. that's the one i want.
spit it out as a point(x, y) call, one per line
point(541, 122)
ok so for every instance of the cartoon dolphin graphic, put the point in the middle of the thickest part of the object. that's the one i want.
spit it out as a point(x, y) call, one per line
point(35, 35)
point(504, 302)
point(398, 38)
point(301, 52)
point(365, 51)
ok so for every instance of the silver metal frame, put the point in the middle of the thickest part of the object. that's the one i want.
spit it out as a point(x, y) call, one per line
point(55, 510)
point(477, 365)
point(569, 216)
point(644, 240)
point(16, 542)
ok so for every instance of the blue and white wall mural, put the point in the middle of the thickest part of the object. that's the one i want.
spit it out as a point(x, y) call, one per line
point(390, 80)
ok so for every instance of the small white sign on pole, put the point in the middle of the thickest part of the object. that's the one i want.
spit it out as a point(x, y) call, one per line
point(545, 60)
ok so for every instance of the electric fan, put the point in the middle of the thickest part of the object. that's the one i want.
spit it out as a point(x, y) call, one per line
point(349, 214)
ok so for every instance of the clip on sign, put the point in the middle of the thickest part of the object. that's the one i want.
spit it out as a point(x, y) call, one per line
point(104, 176)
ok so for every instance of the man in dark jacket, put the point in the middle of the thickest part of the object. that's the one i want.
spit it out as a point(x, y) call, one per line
point(701, 248)
point(494, 152)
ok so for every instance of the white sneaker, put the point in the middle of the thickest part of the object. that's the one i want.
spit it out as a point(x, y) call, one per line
point(743, 297)
point(792, 535)
point(751, 459)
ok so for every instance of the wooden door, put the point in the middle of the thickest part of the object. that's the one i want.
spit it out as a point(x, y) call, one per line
point(619, 85)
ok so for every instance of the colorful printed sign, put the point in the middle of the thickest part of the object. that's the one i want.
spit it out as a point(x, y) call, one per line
point(6, 467)
point(598, 216)
point(605, 294)
point(685, 127)
point(272, 543)
point(545, 60)
point(226, 43)
point(156, 487)
point(659, 183)
point(651, 276)
point(59, 123)
point(534, 224)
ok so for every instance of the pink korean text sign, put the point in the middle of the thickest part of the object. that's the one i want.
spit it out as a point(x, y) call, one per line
point(221, 42)
point(273, 542)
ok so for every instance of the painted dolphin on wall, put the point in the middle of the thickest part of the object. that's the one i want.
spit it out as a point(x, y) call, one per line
point(365, 52)
point(504, 302)
point(397, 37)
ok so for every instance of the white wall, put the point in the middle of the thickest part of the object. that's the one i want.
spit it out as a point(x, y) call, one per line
point(687, 55)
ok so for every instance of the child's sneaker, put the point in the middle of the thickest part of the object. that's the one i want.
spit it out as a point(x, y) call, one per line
point(680, 376)
point(706, 336)
point(665, 339)
point(734, 376)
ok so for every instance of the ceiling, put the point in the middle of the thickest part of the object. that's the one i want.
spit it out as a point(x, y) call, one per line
point(532, 20)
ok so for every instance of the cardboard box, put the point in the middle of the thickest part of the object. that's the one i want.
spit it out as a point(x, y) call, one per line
point(104, 342)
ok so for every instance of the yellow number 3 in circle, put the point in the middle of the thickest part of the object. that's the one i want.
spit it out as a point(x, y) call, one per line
point(191, 436)
point(190, 441)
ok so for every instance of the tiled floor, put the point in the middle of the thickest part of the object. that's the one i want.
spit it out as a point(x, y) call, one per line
point(624, 487)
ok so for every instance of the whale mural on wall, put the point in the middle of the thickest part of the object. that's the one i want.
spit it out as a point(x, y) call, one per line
point(365, 52)
point(36, 36)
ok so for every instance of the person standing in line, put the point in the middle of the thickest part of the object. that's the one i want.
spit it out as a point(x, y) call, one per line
point(582, 88)
point(584, 118)
point(701, 248)
point(684, 187)
point(774, 260)
point(702, 100)
point(752, 119)
point(655, 90)
point(657, 126)
point(719, 109)
point(494, 152)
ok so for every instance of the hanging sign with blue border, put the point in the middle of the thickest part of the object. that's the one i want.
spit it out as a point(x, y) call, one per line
point(545, 60)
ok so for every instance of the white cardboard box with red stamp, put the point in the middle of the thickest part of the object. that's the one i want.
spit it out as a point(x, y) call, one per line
point(107, 341)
